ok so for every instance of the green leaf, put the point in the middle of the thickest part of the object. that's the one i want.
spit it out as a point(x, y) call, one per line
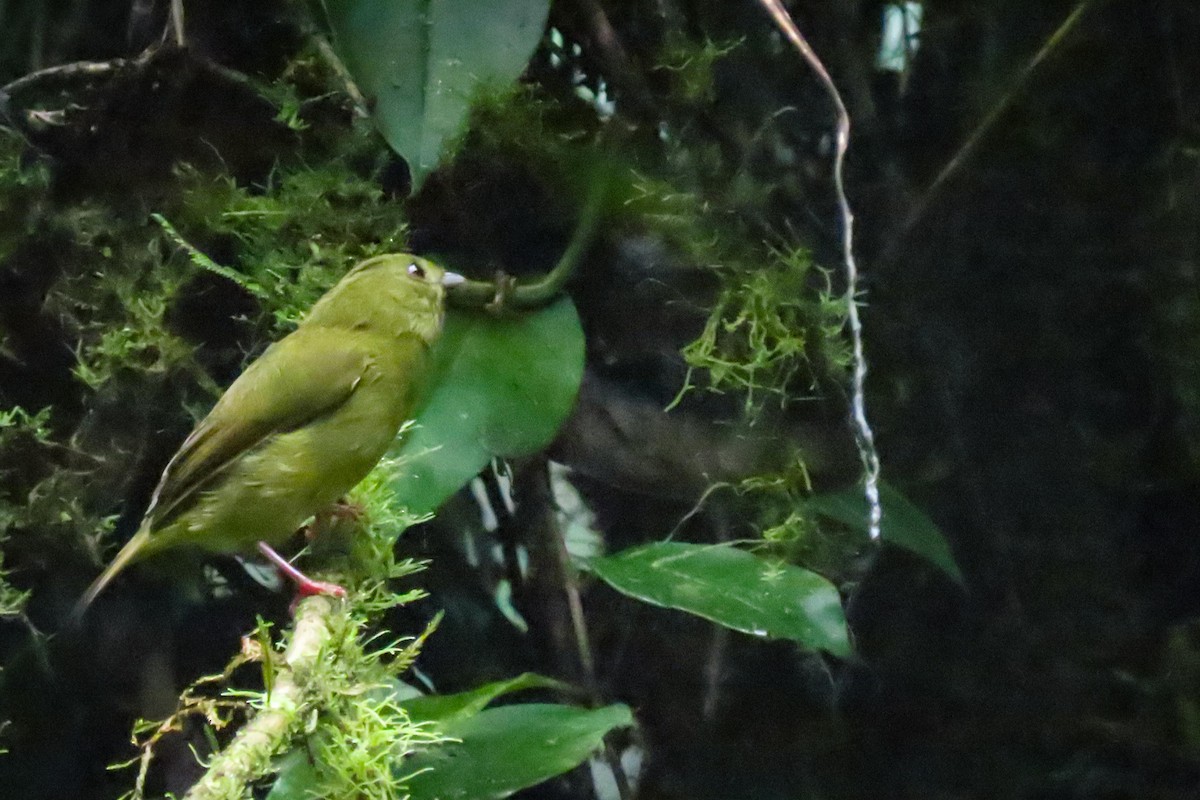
point(502, 750)
point(733, 588)
point(297, 776)
point(419, 62)
point(444, 707)
point(903, 524)
point(499, 387)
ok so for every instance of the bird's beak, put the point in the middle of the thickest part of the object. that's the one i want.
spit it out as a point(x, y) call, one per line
point(452, 279)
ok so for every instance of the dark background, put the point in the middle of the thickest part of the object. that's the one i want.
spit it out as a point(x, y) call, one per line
point(1030, 328)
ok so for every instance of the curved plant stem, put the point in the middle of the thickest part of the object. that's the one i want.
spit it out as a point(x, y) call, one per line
point(864, 434)
point(507, 293)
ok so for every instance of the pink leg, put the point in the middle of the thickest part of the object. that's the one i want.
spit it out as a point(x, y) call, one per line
point(305, 585)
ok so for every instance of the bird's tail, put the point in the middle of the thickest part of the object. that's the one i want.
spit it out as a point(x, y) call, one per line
point(134, 549)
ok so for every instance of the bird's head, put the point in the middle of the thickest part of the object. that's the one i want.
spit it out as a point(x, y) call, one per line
point(397, 293)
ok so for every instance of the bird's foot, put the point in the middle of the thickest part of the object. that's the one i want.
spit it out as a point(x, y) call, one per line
point(305, 586)
point(505, 284)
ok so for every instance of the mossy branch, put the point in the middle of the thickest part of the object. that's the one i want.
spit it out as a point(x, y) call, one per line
point(77, 74)
point(287, 706)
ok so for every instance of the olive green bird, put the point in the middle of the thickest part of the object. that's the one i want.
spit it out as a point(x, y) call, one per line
point(303, 423)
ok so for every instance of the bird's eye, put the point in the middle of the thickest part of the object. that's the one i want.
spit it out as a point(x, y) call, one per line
point(416, 271)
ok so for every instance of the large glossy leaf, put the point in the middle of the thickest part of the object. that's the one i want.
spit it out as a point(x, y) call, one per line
point(500, 387)
point(502, 750)
point(733, 588)
point(419, 61)
point(903, 524)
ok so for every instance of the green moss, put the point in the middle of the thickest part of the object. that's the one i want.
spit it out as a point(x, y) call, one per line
point(770, 334)
point(790, 531)
point(296, 238)
point(366, 733)
point(690, 66)
point(12, 599)
point(37, 493)
point(140, 343)
point(22, 192)
point(17, 421)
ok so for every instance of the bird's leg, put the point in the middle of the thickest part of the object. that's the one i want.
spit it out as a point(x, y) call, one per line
point(343, 509)
point(305, 586)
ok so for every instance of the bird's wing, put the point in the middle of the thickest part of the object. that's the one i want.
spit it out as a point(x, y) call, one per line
point(303, 376)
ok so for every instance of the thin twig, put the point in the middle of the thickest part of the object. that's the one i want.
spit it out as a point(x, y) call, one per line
point(64, 73)
point(866, 437)
point(177, 22)
point(968, 148)
point(361, 105)
point(583, 648)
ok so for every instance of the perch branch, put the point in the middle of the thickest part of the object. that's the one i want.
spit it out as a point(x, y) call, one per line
point(248, 756)
point(866, 437)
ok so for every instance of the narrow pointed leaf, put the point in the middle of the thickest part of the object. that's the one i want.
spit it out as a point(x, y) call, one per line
point(903, 524)
point(443, 707)
point(733, 588)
